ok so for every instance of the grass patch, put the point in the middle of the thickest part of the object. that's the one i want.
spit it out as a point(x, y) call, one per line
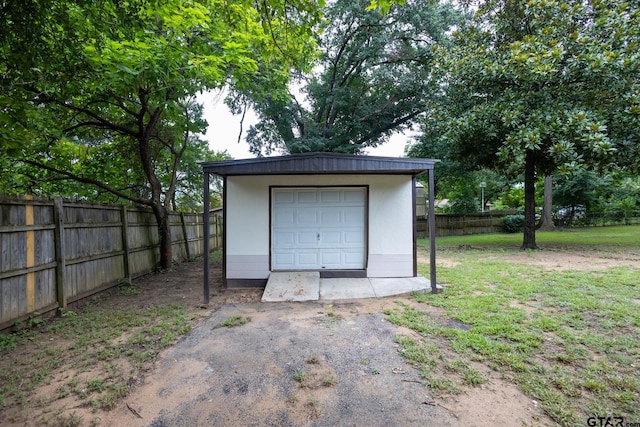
point(329, 381)
point(92, 354)
point(313, 359)
point(569, 339)
point(235, 320)
point(300, 376)
point(619, 238)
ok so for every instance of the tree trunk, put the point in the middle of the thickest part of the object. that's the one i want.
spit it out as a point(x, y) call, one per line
point(164, 233)
point(529, 240)
point(546, 223)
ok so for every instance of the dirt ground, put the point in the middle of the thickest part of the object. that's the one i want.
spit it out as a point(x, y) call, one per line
point(353, 373)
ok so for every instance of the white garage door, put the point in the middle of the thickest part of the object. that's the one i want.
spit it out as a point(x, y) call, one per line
point(318, 228)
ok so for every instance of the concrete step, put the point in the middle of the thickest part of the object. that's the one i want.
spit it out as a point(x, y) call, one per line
point(292, 286)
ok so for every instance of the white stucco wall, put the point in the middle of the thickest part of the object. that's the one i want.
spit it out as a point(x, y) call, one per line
point(390, 221)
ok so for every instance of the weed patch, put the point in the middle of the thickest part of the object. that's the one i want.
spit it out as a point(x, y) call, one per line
point(235, 320)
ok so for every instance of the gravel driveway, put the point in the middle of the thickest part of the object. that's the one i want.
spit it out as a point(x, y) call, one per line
point(292, 364)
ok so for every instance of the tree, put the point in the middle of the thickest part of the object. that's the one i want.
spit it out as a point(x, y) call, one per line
point(189, 196)
point(540, 86)
point(546, 220)
point(621, 199)
point(581, 188)
point(113, 84)
point(463, 191)
point(373, 78)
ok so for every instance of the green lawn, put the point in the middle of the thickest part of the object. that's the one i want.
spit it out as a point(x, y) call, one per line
point(621, 238)
point(569, 339)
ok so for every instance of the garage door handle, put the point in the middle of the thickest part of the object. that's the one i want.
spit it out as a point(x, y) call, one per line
point(318, 236)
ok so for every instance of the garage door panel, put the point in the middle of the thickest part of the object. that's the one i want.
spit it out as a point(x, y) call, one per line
point(307, 238)
point(318, 229)
point(353, 258)
point(286, 260)
point(329, 196)
point(353, 216)
point(330, 216)
point(306, 259)
point(284, 197)
point(307, 196)
point(306, 217)
point(351, 196)
point(354, 238)
point(331, 259)
point(284, 218)
point(296, 259)
point(284, 239)
point(330, 238)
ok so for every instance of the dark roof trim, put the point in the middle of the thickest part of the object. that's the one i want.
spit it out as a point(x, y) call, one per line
point(320, 163)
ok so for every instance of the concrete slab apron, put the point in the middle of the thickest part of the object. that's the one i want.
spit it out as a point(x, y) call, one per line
point(388, 286)
point(292, 286)
point(308, 286)
point(338, 289)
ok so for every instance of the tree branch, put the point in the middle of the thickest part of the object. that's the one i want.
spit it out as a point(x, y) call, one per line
point(388, 127)
point(99, 184)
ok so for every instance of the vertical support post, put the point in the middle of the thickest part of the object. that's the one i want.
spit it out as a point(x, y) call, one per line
point(58, 237)
point(207, 207)
point(432, 233)
point(186, 239)
point(125, 243)
point(223, 231)
point(415, 226)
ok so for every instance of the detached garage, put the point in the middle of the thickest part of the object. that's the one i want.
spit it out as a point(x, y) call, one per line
point(341, 215)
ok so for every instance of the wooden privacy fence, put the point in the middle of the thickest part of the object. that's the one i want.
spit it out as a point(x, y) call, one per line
point(461, 224)
point(53, 253)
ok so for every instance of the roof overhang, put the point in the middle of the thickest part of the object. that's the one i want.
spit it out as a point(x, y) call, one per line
point(320, 163)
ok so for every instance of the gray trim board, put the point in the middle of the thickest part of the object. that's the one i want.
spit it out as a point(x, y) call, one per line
point(320, 163)
point(245, 283)
point(350, 274)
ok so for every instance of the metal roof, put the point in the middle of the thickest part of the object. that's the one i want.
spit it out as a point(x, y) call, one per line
point(320, 163)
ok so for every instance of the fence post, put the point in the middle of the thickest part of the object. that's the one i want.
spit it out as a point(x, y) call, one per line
point(30, 254)
point(125, 243)
point(58, 237)
point(186, 240)
point(216, 233)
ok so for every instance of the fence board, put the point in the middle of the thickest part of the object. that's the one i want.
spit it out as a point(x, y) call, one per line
point(77, 249)
point(45, 288)
point(461, 224)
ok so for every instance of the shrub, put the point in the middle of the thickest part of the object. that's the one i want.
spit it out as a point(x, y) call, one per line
point(513, 223)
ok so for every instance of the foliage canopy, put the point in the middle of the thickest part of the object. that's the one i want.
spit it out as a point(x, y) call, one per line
point(373, 77)
point(106, 96)
point(539, 87)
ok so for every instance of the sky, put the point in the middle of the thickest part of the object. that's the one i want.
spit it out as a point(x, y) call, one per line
point(222, 133)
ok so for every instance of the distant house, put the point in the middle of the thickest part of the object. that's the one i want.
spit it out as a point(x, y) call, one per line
point(341, 215)
point(217, 211)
